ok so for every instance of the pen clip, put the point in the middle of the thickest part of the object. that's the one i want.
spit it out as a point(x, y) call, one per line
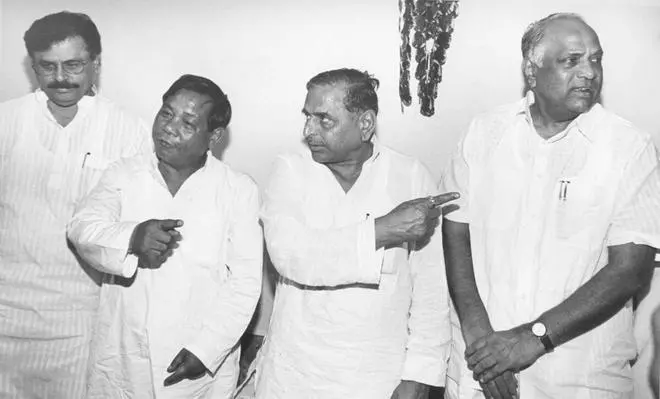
point(85, 159)
point(563, 189)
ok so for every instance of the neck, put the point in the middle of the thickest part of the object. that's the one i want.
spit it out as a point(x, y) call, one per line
point(175, 175)
point(546, 124)
point(347, 172)
point(63, 115)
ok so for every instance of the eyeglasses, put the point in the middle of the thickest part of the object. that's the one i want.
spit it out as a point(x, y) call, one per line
point(72, 67)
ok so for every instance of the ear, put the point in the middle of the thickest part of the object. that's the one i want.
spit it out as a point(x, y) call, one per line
point(216, 135)
point(529, 71)
point(367, 124)
point(96, 63)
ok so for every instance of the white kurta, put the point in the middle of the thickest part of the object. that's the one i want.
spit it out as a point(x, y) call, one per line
point(47, 300)
point(201, 298)
point(542, 214)
point(349, 321)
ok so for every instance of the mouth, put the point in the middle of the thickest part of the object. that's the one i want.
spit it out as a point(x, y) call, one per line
point(164, 143)
point(583, 91)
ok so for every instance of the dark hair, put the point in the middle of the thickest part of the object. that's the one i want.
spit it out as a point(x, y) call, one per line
point(221, 111)
point(535, 33)
point(56, 28)
point(360, 87)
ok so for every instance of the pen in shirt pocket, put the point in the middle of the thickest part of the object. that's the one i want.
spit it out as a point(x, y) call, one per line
point(87, 154)
point(563, 189)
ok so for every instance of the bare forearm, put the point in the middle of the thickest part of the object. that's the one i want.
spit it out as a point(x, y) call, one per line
point(630, 267)
point(460, 277)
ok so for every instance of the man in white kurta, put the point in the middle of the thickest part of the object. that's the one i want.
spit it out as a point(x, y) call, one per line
point(47, 298)
point(202, 297)
point(550, 217)
point(349, 320)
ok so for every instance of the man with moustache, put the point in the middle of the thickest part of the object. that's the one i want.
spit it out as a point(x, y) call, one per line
point(178, 233)
point(361, 309)
point(555, 233)
point(54, 144)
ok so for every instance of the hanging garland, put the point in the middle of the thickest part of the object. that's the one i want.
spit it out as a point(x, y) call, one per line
point(431, 25)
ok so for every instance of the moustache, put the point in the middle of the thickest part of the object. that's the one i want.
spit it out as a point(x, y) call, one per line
point(63, 85)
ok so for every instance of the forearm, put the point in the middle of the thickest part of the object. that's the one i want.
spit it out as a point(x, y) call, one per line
point(104, 245)
point(429, 325)
point(323, 257)
point(630, 266)
point(229, 316)
point(461, 279)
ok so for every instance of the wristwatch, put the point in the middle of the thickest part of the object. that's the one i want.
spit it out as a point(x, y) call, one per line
point(541, 332)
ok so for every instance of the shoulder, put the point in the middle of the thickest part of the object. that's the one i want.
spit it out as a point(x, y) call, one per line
point(402, 161)
point(234, 179)
point(117, 113)
point(129, 167)
point(616, 132)
point(10, 107)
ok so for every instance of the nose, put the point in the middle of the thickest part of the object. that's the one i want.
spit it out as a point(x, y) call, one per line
point(310, 127)
point(169, 127)
point(587, 70)
point(59, 73)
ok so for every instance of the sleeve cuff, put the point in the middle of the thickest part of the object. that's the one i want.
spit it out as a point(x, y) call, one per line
point(425, 369)
point(370, 260)
point(122, 242)
point(639, 238)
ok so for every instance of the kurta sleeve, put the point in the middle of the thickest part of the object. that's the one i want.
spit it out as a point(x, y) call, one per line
point(457, 178)
point(429, 329)
point(637, 204)
point(237, 298)
point(310, 256)
point(96, 231)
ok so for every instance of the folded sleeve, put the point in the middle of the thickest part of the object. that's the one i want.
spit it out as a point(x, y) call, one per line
point(429, 329)
point(96, 229)
point(637, 205)
point(309, 256)
point(237, 298)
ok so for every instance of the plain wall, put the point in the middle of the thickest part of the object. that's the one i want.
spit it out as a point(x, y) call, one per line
point(263, 52)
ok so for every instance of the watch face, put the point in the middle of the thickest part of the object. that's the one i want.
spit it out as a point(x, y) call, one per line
point(538, 329)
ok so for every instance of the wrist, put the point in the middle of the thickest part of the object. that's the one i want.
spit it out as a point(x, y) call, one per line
point(475, 329)
point(537, 332)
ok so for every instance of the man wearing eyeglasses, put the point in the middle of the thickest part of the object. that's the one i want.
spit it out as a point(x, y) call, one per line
point(54, 144)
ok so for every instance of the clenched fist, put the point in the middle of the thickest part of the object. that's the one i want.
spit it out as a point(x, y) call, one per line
point(154, 240)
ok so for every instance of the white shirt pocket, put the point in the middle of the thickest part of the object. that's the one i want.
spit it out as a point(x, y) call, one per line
point(576, 202)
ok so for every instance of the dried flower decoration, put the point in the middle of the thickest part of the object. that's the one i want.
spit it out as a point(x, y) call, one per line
point(430, 23)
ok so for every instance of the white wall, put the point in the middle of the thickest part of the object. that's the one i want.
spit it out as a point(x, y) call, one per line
point(262, 53)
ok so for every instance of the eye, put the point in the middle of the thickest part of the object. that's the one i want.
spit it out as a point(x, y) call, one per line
point(572, 61)
point(47, 66)
point(165, 114)
point(326, 122)
point(597, 60)
point(72, 64)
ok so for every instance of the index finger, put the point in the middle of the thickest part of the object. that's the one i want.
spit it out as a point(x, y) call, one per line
point(175, 377)
point(444, 198)
point(168, 224)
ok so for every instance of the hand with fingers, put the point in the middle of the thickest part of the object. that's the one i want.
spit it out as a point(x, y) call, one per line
point(504, 386)
point(154, 240)
point(185, 366)
point(411, 390)
point(511, 350)
point(411, 220)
